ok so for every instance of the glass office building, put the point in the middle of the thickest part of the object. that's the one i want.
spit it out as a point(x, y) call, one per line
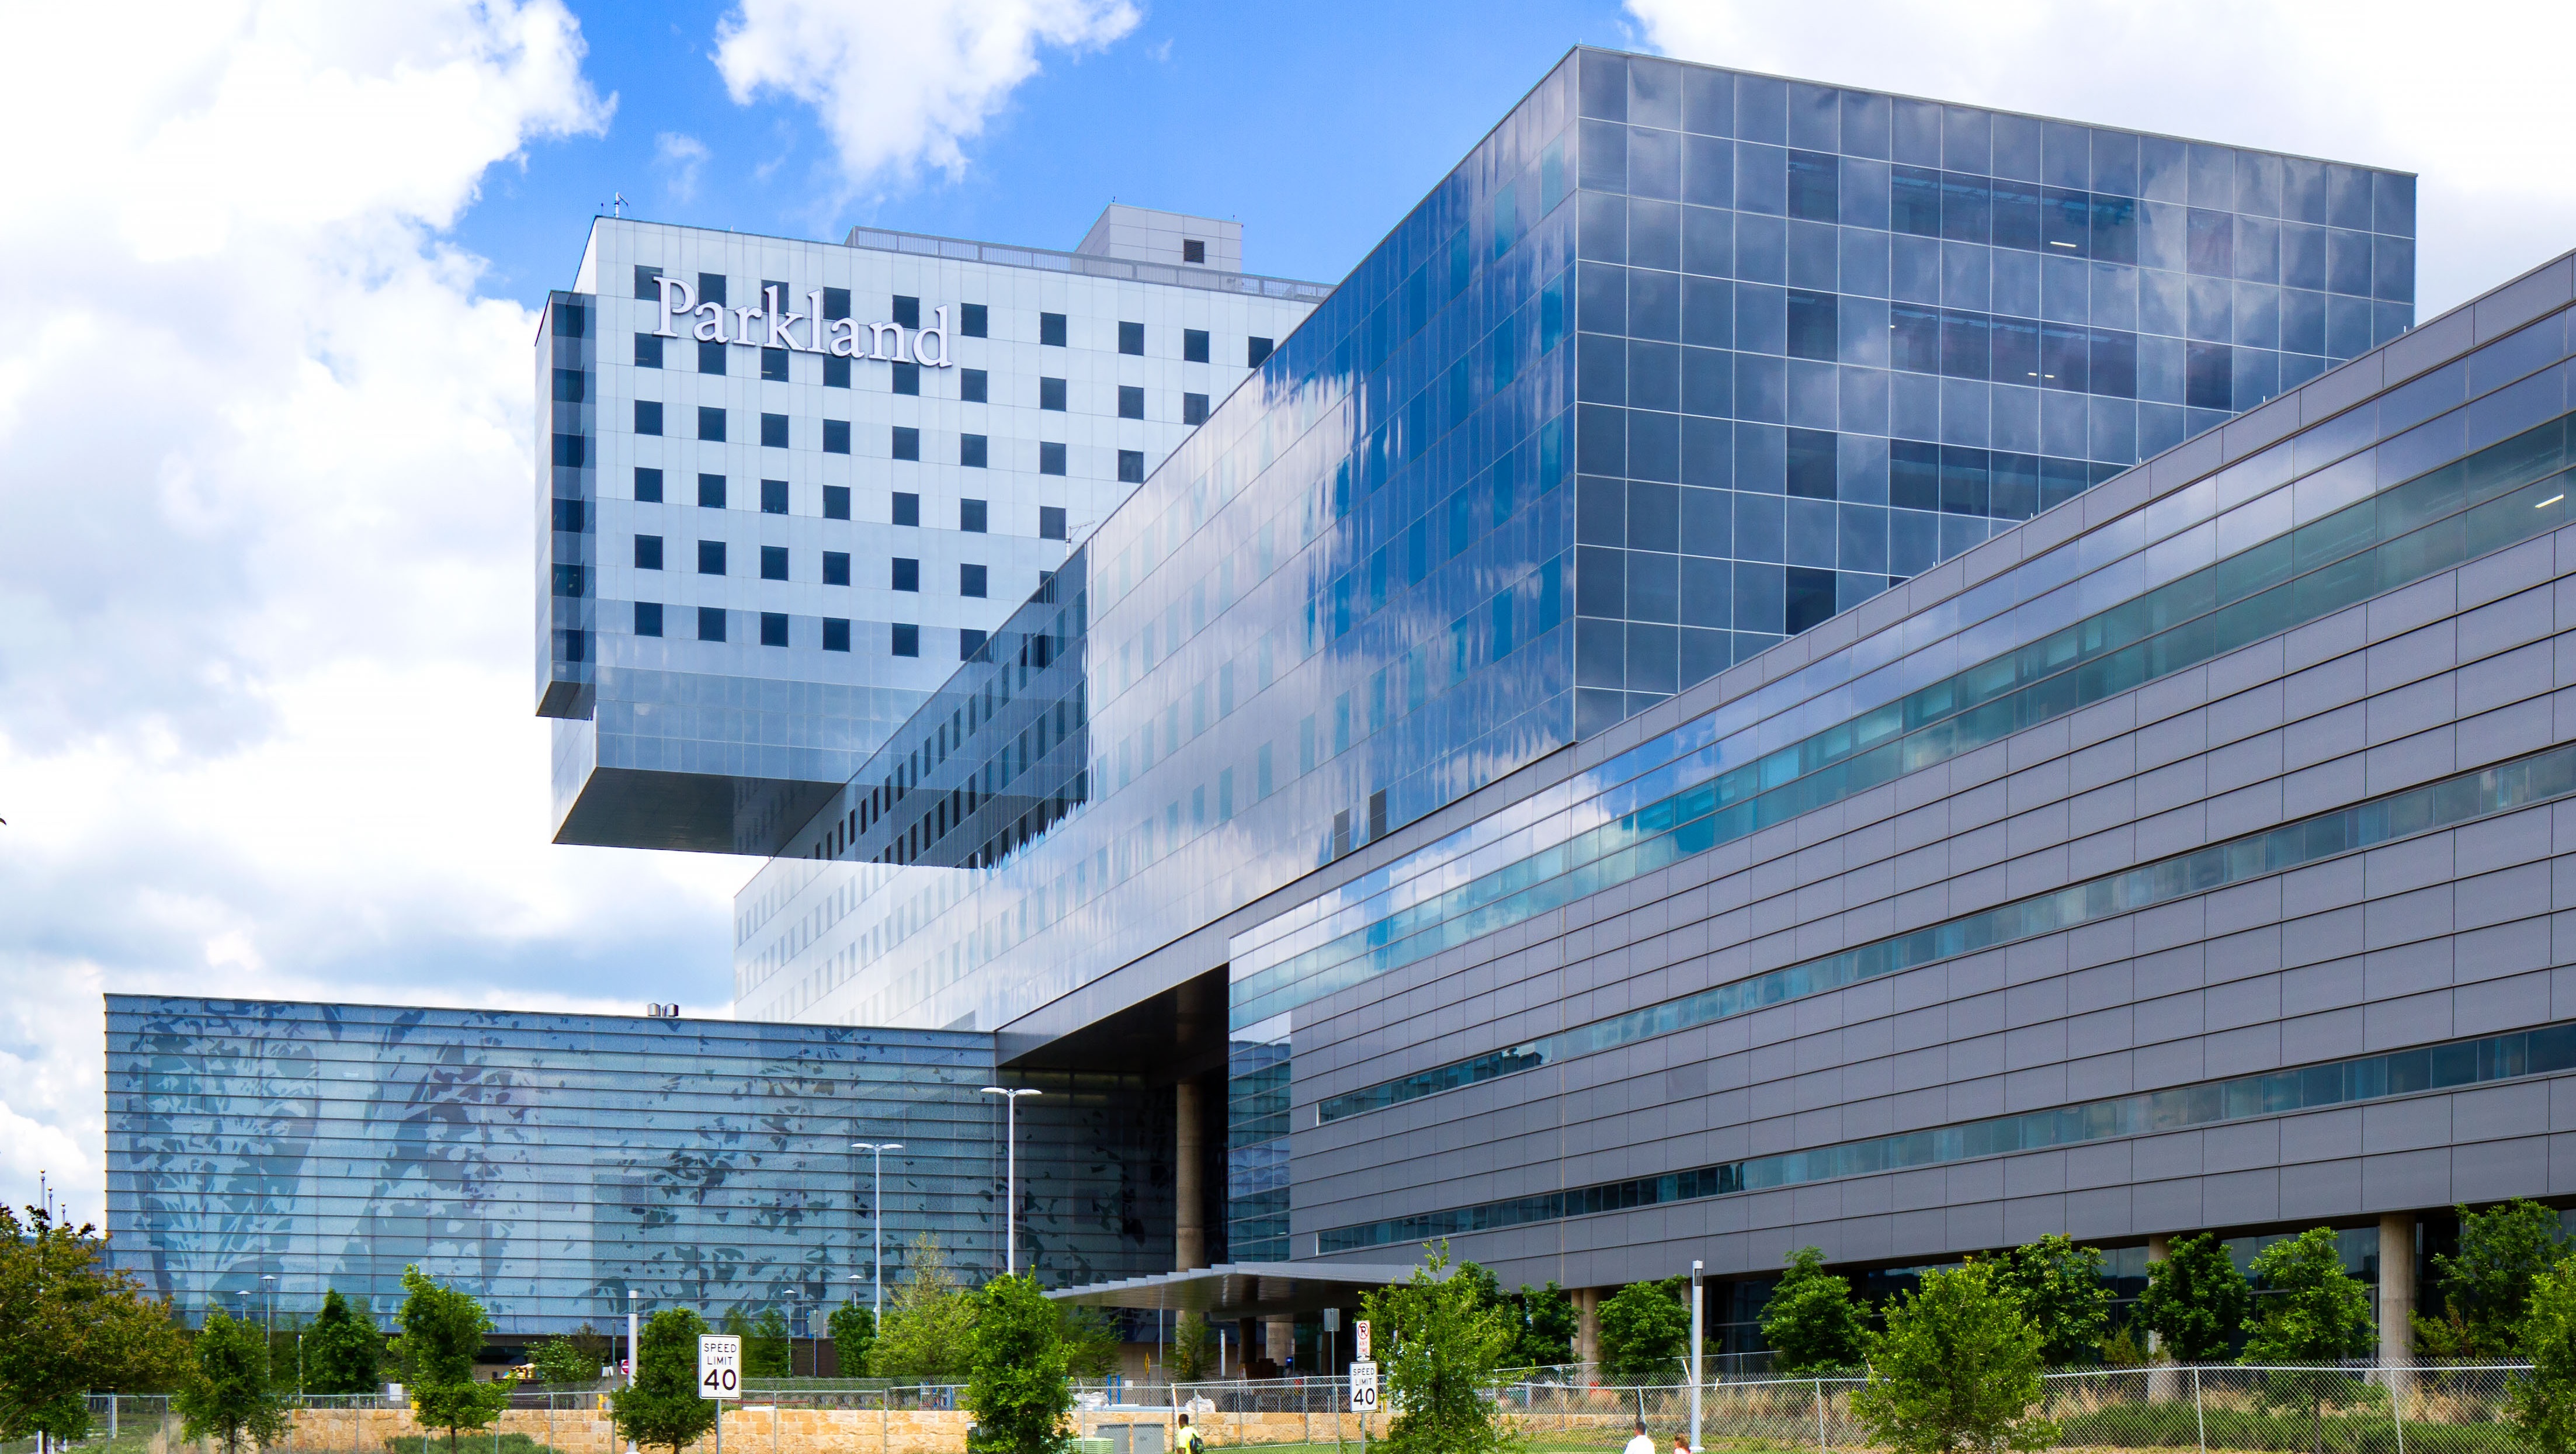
point(1678, 364)
point(548, 1164)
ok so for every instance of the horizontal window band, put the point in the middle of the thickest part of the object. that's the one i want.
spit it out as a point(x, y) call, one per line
point(2546, 1050)
point(2463, 798)
point(2507, 493)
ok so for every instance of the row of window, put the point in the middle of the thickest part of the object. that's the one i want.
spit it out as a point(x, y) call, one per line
point(973, 321)
point(974, 386)
point(974, 451)
point(901, 639)
point(904, 576)
point(972, 515)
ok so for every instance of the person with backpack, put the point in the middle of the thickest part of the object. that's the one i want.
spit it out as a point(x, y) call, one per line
point(1187, 1441)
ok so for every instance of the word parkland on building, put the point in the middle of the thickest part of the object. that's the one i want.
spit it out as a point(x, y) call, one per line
point(829, 329)
point(1778, 665)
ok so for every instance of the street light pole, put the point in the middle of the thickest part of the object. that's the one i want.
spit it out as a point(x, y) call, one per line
point(1011, 1174)
point(1694, 1358)
point(876, 1212)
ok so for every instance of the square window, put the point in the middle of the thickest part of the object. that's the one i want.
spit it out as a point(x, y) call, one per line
point(907, 378)
point(836, 373)
point(836, 436)
point(767, 285)
point(648, 416)
point(970, 516)
point(773, 431)
point(836, 502)
point(773, 562)
point(970, 451)
point(571, 385)
point(1254, 351)
point(1050, 459)
point(1131, 402)
point(836, 634)
point(711, 357)
point(970, 580)
point(773, 628)
point(572, 450)
point(648, 552)
point(773, 365)
point(711, 623)
point(970, 320)
point(907, 311)
point(1131, 466)
point(907, 442)
point(648, 351)
point(645, 287)
point(569, 516)
point(1131, 338)
point(836, 303)
point(1194, 345)
point(711, 289)
point(648, 485)
point(971, 385)
point(773, 497)
point(711, 557)
point(648, 618)
point(907, 508)
point(1193, 250)
point(711, 492)
point(1194, 408)
point(711, 424)
point(836, 567)
point(969, 642)
point(907, 640)
point(1050, 522)
point(1051, 394)
point(1051, 329)
point(907, 574)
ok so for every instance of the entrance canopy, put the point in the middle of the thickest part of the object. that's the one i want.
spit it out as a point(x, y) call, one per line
point(1241, 1289)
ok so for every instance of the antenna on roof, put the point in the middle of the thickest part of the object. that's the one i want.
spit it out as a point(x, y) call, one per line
point(617, 204)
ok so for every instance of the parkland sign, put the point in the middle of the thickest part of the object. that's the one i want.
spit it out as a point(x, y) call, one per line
point(774, 326)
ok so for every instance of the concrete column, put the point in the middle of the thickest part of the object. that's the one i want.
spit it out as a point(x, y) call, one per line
point(2163, 1385)
point(2397, 1289)
point(2159, 1247)
point(1189, 1232)
point(1587, 1325)
point(1279, 1340)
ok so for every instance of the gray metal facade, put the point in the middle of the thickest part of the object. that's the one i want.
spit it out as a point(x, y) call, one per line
point(2448, 929)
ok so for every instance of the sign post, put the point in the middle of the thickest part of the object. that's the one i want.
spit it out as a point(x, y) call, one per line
point(719, 1374)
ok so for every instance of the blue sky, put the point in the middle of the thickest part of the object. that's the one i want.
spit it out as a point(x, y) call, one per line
point(1317, 127)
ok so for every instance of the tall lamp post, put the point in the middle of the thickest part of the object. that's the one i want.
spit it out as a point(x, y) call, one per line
point(1694, 1353)
point(876, 1211)
point(1011, 1174)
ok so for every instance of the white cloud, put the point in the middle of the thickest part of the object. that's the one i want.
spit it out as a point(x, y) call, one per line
point(903, 87)
point(265, 466)
point(680, 159)
point(2472, 98)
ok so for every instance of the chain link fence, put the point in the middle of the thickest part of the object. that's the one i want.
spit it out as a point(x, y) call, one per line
point(2328, 1410)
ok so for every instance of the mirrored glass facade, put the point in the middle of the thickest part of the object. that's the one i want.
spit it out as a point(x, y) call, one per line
point(549, 1163)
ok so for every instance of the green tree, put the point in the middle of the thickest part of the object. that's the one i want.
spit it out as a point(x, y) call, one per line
point(853, 1329)
point(442, 1332)
point(1091, 1341)
point(227, 1394)
point(662, 1410)
point(766, 1351)
point(928, 1323)
point(2060, 1289)
point(2195, 1300)
point(1442, 1345)
point(563, 1360)
point(2312, 1312)
point(1016, 1381)
point(2487, 1286)
point(1810, 1320)
point(342, 1350)
point(1547, 1326)
point(68, 1327)
point(1188, 1359)
point(2542, 1403)
point(1645, 1330)
point(1957, 1369)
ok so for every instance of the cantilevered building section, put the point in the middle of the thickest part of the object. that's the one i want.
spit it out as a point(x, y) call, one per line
point(786, 486)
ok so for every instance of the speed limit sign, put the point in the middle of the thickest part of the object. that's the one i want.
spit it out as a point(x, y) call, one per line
point(1363, 1388)
point(719, 1366)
